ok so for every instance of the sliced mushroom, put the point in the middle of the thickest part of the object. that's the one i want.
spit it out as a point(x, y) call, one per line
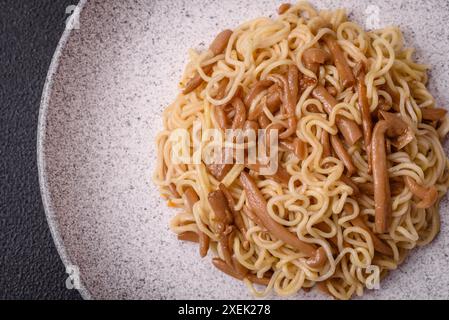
point(238, 220)
point(343, 155)
point(250, 214)
point(392, 127)
point(313, 57)
point(240, 114)
point(344, 71)
point(256, 90)
point(402, 139)
point(222, 119)
point(428, 195)
point(191, 198)
point(288, 104)
point(332, 91)
point(251, 126)
point(306, 82)
point(264, 121)
point(433, 114)
point(283, 8)
point(173, 190)
point(364, 106)
point(188, 236)
point(225, 268)
point(281, 175)
point(217, 47)
point(197, 80)
point(219, 168)
point(297, 146)
point(325, 142)
point(274, 98)
point(224, 220)
point(349, 128)
point(258, 205)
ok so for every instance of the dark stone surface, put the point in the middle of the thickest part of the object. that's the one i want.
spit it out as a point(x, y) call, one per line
point(30, 267)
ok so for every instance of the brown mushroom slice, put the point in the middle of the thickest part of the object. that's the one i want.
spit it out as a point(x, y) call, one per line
point(283, 8)
point(395, 97)
point(240, 114)
point(318, 259)
point(239, 268)
point(364, 106)
point(217, 47)
point(238, 220)
point(367, 188)
point(251, 126)
point(274, 98)
point(188, 236)
point(191, 198)
point(288, 103)
point(402, 139)
point(343, 155)
point(281, 175)
point(225, 268)
point(219, 205)
point(293, 82)
point(172, 188)
point(313, 57)
point(197, 80)
point(325, 142)
point(264, 121)
point(428, 195)
point(258, 205)
point(392, 127)
point(306, 82)
point(221, 91)
point(250, 214)
point(349, 128)
point(219, 168)
point(344, 71)
point(221, 118)
point(220, 42)
point(433, 114)
point(332, 91)
point(256, 90)
point(224, 220)
point(296, 146)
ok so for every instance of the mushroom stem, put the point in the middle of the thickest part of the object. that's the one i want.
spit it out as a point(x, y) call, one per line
point(392, 126)
point(227, 269)
point(349, 128)
point(433, 114)
point(428, 195)
point(258, 205)
point(217, 47)
point(343, 155)
point(191, 198)
point(240, 114)
point(364, 106)
point(188, 236)
point(344, 71)
point(283, 8)
point(224, 220)
point(313, 57)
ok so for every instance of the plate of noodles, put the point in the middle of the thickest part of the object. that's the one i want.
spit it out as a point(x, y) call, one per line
point(241, 149)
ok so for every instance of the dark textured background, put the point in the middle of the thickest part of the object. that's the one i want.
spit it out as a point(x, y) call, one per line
point(30, 267)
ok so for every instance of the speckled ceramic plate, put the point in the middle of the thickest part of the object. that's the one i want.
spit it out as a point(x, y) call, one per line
point(107, 87)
